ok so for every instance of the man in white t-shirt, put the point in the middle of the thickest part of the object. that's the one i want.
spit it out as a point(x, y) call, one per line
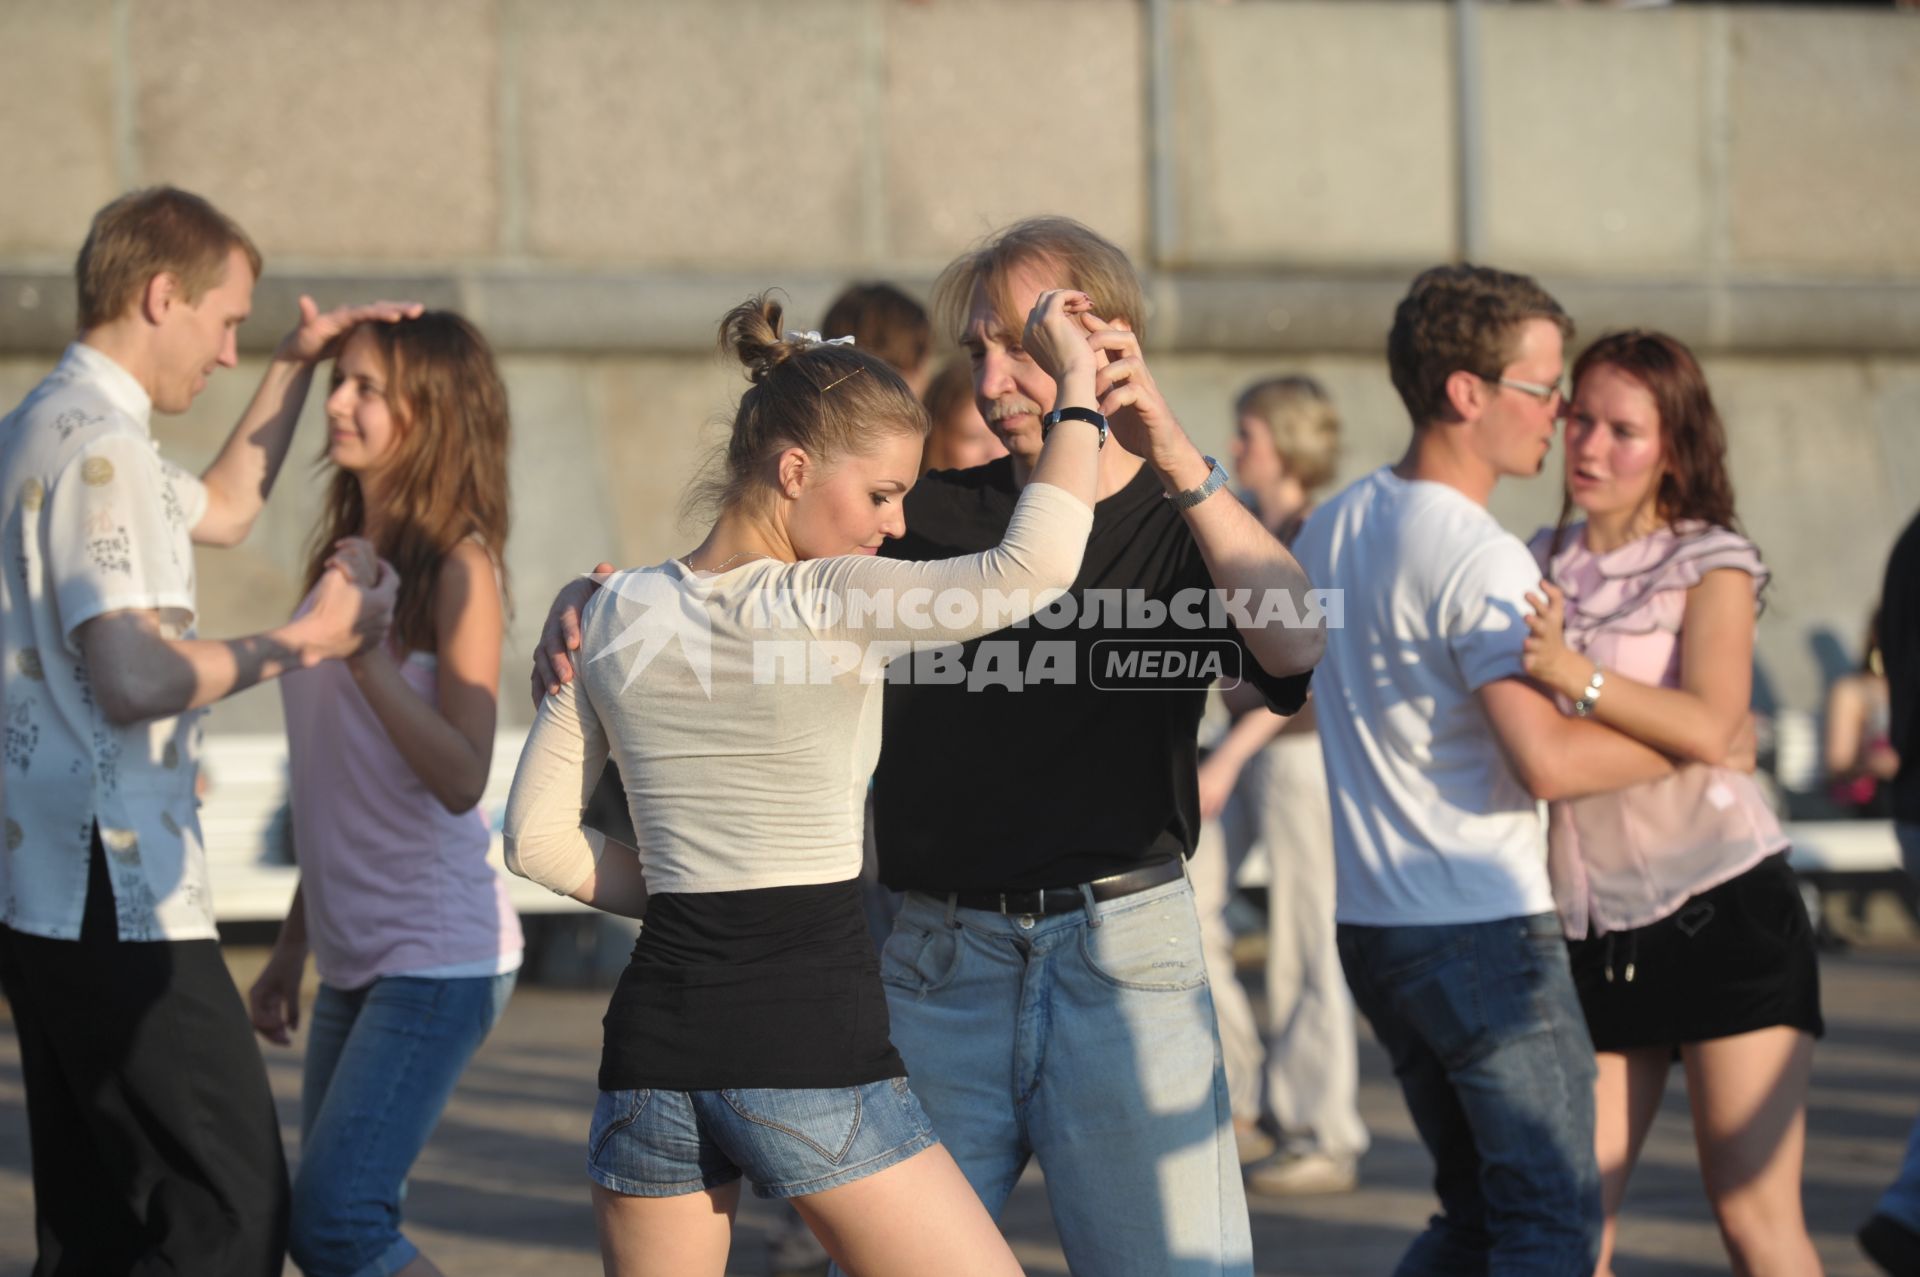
point(1437, 749)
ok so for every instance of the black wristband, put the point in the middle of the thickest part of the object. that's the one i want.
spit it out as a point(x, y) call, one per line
point(1088, 415)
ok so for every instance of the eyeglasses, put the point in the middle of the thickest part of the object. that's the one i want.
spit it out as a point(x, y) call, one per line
point(1554, 396)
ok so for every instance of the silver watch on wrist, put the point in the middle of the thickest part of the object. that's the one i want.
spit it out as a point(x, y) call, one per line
point(1216, 479)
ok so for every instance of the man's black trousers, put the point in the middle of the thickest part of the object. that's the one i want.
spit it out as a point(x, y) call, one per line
point(154, 1141)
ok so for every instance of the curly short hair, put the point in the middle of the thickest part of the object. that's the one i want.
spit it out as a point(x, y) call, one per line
point(1461, 318)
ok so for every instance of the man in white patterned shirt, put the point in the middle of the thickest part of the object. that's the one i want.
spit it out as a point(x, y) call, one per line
point(155, 1144)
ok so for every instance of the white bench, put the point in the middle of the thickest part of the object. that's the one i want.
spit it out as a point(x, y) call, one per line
point(246, 793)
point(1844, 846)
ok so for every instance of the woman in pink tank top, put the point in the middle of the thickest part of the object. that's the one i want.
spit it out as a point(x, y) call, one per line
point(410, 927)
point(1687, 933)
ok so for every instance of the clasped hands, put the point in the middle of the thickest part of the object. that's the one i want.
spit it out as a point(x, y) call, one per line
point(1068, 341)
point(354, 599)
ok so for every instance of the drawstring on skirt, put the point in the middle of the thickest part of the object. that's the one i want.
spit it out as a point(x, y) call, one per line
point(1633, 951)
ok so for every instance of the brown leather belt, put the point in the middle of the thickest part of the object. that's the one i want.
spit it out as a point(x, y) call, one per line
point(1040, 901)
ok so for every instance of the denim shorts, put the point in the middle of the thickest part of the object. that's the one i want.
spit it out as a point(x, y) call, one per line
point(788, 1141)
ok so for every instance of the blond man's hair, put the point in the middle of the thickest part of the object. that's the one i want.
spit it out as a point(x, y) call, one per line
point(160, 230)
point(1299, 414)
point(1075, 255)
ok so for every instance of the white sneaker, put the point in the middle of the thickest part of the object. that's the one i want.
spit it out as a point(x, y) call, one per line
point(1303, 1175)
point(1253, 1144)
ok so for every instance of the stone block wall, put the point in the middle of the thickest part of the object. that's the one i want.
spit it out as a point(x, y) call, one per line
point(595, 181)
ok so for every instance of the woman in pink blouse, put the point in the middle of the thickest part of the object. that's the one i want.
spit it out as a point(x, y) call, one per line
point(1687, 931)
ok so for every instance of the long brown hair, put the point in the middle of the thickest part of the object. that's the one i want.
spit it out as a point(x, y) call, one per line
point(446, 480)
point(1694, 483)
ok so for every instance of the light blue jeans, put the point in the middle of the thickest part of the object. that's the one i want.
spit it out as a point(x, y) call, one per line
point(1087, 1040)
point(1491, 1049)
point(1901, 1201)
point(381, 1063)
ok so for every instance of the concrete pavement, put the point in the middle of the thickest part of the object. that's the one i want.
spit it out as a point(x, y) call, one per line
point(500, 1192)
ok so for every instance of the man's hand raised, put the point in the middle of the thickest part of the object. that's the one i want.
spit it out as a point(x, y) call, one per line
point(318, 334)
point(560, 636)
point(1131, 401)
point(1057, 332)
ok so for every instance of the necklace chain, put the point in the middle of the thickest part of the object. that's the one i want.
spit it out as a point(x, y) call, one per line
point(724, 564)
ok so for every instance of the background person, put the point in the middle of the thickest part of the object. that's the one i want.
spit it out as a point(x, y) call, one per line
point(884, 321)
point(749, 1034)
point(1688, 934)
point(154, 1141)
point(1859, 755)
point(1263, 789)
point(1891, 1235)
point(415, 939)
point(960, 438)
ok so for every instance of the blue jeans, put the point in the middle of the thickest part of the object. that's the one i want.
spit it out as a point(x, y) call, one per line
point(1088, 1040)
point(1901, 1201)
point(1488, 1041)
point(792, 1141)
point(381, 1064)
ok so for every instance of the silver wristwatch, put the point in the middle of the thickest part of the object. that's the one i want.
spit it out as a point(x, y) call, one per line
point(1216, 479)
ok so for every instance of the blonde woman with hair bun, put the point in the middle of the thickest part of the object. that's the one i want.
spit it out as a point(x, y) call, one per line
point(749, 1034)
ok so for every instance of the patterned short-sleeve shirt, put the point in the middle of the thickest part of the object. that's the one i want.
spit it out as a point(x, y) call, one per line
point(94, 520)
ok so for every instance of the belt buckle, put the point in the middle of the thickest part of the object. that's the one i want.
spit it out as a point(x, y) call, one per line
point(1039, 899)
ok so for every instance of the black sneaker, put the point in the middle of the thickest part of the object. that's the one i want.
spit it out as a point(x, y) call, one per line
point(1892, 1245)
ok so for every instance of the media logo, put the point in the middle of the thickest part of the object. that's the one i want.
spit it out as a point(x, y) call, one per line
point(670, 613)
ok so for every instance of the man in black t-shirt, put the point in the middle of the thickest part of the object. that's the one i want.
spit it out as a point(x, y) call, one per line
point(1045, 977)
point(1900, 647)
point(1892, 1235)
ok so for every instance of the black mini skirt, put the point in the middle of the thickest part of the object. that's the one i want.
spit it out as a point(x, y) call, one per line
point(1732, 959)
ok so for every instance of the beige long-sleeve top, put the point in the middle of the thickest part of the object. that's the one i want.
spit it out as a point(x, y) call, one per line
point(743, 707)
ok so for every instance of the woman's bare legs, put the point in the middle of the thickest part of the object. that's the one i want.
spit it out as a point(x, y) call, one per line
point(1749, 1097)
point(1626, 1096)
point(685, 1236)
point(917, 1218)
